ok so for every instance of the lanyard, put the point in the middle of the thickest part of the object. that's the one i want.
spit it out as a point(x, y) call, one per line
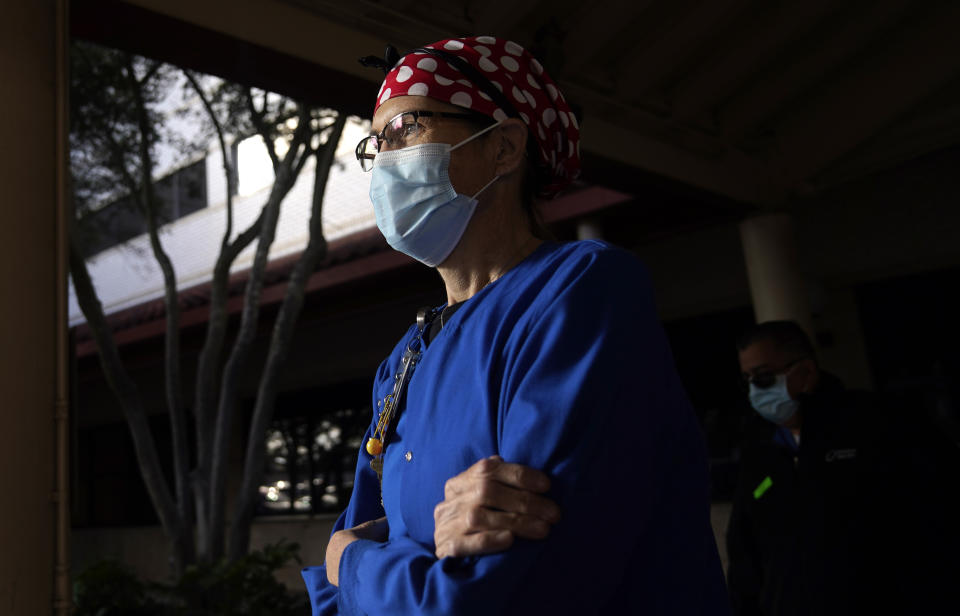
point(377, 444)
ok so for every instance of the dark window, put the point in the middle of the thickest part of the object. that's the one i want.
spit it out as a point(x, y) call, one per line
point(111, 491)
point(312, 453)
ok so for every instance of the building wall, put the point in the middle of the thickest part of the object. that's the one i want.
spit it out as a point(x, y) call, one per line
point(27, 313)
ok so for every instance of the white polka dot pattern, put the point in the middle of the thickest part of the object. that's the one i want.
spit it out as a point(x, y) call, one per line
point(487, 65)
point(510, 64)
point(512, 48)
point(461, 99)
point(427, 64)
point(514, 72)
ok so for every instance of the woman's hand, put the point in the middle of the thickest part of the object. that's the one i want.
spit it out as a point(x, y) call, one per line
point(374, 530)
point(486, 506)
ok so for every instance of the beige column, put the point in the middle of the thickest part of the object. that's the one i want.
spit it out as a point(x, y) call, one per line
point(30, 32)
point(776, 281)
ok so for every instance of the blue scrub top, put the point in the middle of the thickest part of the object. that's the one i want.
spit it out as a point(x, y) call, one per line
point(561, 365)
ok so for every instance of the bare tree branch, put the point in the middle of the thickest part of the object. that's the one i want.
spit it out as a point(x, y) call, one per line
point(304, 155)
point(257, 117)
point(283, 329)
point(206, 383)
point(210, 354)
point(176, 524)
point(224, 152)
point(226, 410)
point(174, 389)
point(154, 67)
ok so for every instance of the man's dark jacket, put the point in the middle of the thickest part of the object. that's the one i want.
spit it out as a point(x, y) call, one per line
point(808, 520)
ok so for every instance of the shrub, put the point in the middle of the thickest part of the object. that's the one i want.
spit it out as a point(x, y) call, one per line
point(108, 588)
point(246, 587)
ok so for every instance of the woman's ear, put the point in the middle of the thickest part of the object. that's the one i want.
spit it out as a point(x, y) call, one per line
point(511, 143)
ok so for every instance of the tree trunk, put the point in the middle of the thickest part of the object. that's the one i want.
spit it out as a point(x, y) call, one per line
point(205, 392)
point(173, 388)
point(230, 381)
point(279, 347)
point(206, 382)
point(130, 401)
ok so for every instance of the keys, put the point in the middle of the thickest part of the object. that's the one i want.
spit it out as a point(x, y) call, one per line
point(377, 465)
point(377, 445)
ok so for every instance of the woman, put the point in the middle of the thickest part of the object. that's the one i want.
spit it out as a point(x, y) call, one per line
point(531, 450)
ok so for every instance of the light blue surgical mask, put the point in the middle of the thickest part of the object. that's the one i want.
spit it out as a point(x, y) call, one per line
point(417, 209)
point(774, 403)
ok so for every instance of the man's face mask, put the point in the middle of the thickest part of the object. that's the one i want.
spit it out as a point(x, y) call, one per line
point(774, 402)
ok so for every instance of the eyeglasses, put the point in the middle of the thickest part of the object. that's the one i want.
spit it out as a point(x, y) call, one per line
point(765, 380)
point(404, 130)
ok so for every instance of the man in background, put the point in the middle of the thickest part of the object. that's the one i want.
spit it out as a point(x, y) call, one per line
point(808, 517)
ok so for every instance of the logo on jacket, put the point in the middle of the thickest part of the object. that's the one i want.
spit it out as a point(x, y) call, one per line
point(835, 455)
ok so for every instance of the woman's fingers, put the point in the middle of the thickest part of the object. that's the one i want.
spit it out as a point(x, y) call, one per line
point(486, 542)
point(515, 475)
point(495, 495)
point(491, 482)
point(494, 468)
point(464, 530)
point(488, 505)
point(479, 519)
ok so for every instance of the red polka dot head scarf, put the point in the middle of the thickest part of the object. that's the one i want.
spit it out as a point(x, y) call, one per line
point(500, 79)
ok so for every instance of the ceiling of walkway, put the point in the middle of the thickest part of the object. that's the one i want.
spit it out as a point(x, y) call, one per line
point(755, 100)
point(695, 110)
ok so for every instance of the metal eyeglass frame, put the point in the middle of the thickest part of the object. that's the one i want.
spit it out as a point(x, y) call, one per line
point(766, 380)
point(366, 160)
